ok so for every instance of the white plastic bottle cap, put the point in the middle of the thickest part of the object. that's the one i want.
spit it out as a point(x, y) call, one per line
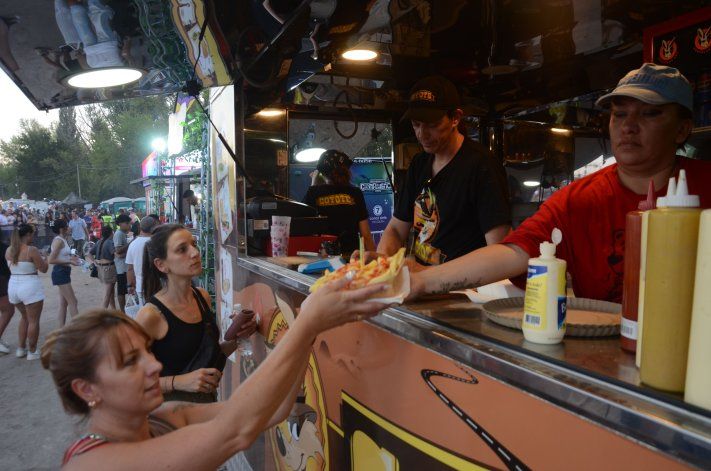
point(547, 250)
point(681, 198)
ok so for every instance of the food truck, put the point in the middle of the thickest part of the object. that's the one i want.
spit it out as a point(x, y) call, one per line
point(434, 383)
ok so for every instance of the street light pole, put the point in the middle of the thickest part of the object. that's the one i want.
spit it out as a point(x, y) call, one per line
point(78, 182)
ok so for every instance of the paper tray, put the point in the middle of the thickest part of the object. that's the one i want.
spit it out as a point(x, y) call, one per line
point(399, 290)
point(585, 318)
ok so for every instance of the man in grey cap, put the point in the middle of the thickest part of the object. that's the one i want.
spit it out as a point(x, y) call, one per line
point(134, 257)
point(454, 197)
point(651, 110)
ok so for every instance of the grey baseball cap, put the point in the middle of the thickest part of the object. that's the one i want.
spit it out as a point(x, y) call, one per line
point(653, 84)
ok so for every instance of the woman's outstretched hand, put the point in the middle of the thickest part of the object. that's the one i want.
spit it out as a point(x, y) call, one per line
point(333, 305)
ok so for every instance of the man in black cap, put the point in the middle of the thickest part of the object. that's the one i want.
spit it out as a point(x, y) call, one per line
point(453, 199)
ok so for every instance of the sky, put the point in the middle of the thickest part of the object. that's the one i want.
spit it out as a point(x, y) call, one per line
point(16, 106)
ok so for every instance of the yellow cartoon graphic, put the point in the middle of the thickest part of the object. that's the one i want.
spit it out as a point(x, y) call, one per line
point(297, 439)
point(366, 455)
point(300, 442)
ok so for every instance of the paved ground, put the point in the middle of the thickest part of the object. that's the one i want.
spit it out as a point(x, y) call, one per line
point(34, 430)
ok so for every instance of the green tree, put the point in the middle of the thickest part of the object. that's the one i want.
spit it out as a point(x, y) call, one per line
point(37, 162)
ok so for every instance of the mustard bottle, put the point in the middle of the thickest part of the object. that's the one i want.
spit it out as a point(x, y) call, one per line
point(671, 265)
point(545, 302)
point(698, 372)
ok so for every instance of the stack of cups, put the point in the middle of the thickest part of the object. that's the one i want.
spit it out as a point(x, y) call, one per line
point(280, 235)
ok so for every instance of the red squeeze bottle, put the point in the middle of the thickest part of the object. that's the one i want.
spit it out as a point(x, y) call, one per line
point(630, 287)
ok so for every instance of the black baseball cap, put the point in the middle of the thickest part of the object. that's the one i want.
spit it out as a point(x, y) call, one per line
point(332, 159)
point(431, 98)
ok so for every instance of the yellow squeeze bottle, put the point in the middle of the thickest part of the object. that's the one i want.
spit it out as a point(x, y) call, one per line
point(671, 265)
point(545, 303)
point(698, 372)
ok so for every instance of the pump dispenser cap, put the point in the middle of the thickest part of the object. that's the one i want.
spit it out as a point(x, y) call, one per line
point(646, 205)
point(548, 248)
point(681, 197)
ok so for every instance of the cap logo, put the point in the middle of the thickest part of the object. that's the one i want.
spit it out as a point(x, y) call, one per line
point(423, 95)
point(668, 51)
point(702, 42)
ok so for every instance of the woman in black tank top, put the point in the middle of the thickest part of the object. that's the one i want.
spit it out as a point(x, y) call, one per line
point(178, 317)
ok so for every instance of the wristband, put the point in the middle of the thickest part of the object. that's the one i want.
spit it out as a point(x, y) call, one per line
point(172, 384)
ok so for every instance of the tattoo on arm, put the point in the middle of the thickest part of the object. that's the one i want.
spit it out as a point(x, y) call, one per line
point(446, 287)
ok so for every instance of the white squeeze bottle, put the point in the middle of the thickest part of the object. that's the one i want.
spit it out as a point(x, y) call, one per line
point(545, 303)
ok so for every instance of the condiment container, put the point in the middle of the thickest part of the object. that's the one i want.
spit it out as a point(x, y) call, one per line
point(671, 266)
point(545, 301)
point(698, 370)
point(630, 287)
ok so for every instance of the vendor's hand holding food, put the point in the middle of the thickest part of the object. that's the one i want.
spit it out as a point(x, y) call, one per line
point(380, 270)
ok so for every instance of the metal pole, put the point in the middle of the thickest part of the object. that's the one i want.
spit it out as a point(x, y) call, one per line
point(78, 181)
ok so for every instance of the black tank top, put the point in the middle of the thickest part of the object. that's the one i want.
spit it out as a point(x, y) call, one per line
point(181, 342)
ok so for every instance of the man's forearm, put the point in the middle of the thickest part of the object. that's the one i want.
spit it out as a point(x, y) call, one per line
point(389, 242)
point(131, 276)
point(477, 268)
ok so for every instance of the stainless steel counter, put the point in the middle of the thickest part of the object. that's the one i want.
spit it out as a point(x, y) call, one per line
point(592, 378)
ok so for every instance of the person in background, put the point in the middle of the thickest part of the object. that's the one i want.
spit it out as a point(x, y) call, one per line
point(60, 256)
point(80, 234)
point(135, 222)
point(341, 202)
point(191, 201)
point(95, 225)
point(25, 290)
point(179, 320)
point(134, 258)
point(103, 257)
point(6, 308)
point(104, 370)
point(651, 117)
point(120, 248)
point(454, 198)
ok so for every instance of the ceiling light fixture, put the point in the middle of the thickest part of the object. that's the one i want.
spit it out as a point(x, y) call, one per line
point(270, 112)
point(531, 183)
point(359, 55)
point(311, 154)
point(105, 78)
point(560, 131)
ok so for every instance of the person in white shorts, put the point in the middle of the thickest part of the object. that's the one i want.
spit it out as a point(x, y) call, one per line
point(25, 289)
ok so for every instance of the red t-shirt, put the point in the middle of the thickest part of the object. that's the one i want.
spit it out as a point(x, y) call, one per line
point(591, 214)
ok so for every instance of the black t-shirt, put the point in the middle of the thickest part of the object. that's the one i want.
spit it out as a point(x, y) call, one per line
point(344, 205)
point(452, 211)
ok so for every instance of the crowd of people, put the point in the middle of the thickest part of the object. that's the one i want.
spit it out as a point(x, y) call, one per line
point(77, 235)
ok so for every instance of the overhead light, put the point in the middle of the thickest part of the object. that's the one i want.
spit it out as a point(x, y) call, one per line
point(560, 130)
point(270, 112)
point(359, 55)
point(531, 183)
point(280, 141)
point(104, 78)
point(309, 155)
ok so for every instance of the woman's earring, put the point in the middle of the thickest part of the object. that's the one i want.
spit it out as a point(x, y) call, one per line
point(91, 404)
